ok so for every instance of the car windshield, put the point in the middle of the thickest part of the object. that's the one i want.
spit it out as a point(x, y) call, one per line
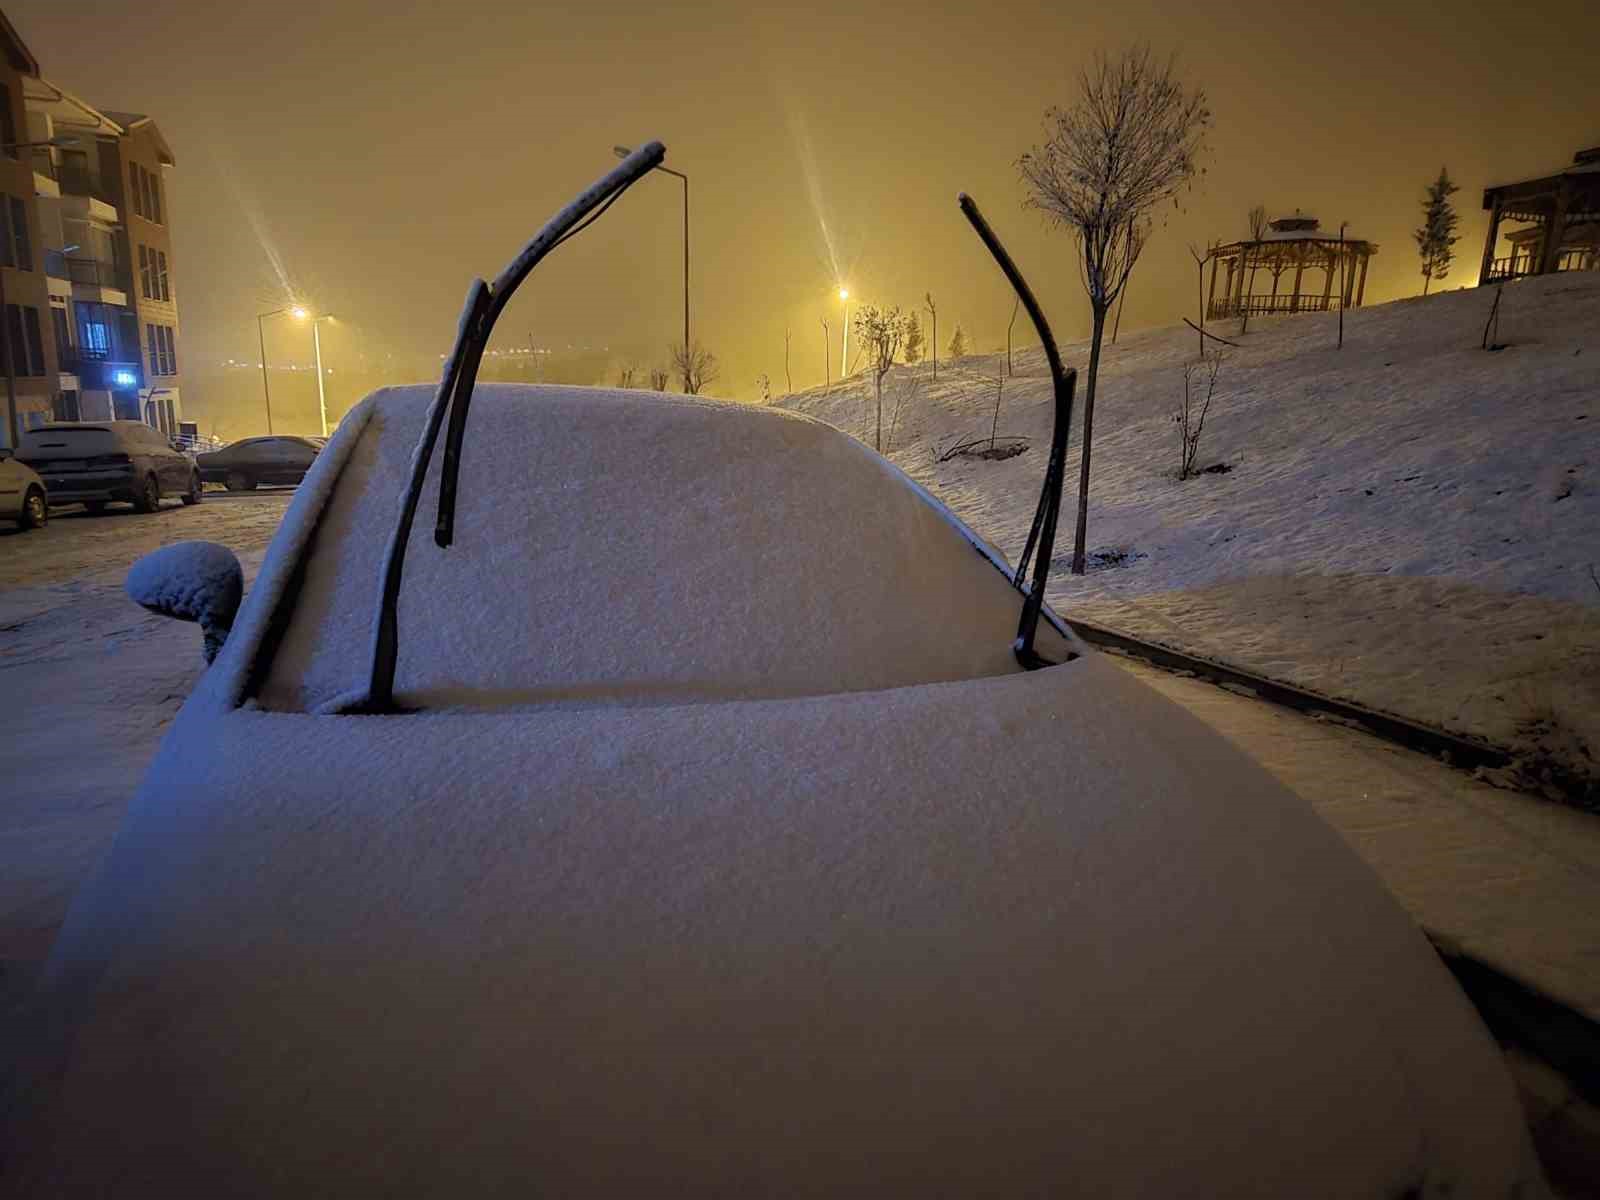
point(706, 591)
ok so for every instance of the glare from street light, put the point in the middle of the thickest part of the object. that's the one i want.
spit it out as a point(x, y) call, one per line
point(844, 293)
point(298, 313)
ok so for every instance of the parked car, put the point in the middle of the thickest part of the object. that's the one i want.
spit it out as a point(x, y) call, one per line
point(704, 829)
point(270, 460)
point(106, 461)
point(700, 807)
point(23, 498)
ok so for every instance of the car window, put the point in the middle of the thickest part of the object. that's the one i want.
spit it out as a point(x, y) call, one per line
point(66, 443)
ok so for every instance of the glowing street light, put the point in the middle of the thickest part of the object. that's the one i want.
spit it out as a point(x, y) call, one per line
point(300, 313)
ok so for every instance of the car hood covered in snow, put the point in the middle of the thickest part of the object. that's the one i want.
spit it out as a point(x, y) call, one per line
point(788, 896)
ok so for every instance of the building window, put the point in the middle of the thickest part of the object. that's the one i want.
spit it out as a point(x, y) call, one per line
point(133, 190)
point(144, 273)
point(30, 321)
point(23, 340)
point(58, 317)
point(66, 406)
point(161, 275)
point(8, 122)
point(15, 248)
point(161, 349)
point(96, 339)
point(155, 197)
point(149, 203)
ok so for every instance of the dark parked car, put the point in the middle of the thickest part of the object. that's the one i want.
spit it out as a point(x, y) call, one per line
point(243, 465)
point(104, 461)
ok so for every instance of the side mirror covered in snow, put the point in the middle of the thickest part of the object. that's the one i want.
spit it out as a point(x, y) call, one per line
point(193, 581)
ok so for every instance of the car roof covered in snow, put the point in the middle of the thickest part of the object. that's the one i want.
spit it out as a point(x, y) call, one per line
point(632, 547)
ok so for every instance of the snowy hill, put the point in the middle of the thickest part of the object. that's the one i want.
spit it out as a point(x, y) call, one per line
point(1410, 522)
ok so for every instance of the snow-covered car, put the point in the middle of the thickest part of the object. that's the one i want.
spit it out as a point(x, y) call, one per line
point(693, 818)
point(245, 464)
point(102, 462)
point(23, 498)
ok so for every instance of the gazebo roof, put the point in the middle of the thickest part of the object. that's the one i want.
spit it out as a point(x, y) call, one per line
point(1584, 169)
point(1300, 228)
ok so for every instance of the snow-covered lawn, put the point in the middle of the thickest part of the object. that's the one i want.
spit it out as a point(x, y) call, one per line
point(1410, 522)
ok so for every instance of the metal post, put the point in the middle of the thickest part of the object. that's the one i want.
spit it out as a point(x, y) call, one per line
point(266, 392)
point(322, 398)
point(844, 339)
point(685, 179)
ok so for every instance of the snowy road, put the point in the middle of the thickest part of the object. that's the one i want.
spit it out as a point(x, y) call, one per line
point(90, 683)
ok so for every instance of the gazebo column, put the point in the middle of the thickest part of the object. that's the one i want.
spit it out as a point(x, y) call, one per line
point(1489, 242)
point(1361, 290)
point(1555, 230)
point(1211, 292)
point(1347, 270)
point(1238, 283)
point(1299, 272)
point(1328, 264)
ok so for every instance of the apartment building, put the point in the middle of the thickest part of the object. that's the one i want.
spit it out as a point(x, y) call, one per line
point(27, 349)
point(86, 261)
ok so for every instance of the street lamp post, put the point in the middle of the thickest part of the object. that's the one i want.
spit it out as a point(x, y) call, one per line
point(299, 314)
point(623, 152)
point(316, 346)
point(844, 337)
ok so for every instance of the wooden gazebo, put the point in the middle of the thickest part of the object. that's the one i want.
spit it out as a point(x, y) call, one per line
point(1561, 215)
point(1296, 244)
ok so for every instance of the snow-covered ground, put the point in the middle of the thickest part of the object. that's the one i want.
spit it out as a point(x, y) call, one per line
point(1409, 522)
point(91, 682)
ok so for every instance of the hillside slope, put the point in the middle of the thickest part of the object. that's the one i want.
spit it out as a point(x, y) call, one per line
point(1409, 522)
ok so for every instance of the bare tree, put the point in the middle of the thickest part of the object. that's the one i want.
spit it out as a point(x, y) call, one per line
point(658, 379)
point(788, 379)
point(1122, 303)
point(1009, 324)
point(765, 385)
point(1200, 261)
point(1131, 142)
point(994, 426)
point(933, 338)
point(696, 366)
point(1257, 218)
point(1191, 418)
point(625, 375)
point(827, 379)
point(910, 386)
point(880, 332)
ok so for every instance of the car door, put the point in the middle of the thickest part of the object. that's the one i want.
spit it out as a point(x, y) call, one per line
point(10, 486)
point(290, 458)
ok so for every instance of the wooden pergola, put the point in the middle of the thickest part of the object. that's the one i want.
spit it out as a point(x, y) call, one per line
point(1294, 243)
point(1562, 216)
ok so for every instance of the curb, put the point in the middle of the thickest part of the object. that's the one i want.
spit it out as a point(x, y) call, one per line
point(1454, 748)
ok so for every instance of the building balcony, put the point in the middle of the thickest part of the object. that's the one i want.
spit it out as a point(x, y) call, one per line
point(80, 200)
point(99, 372)
point(94, 281)
point(55, 267)
point(45, 171)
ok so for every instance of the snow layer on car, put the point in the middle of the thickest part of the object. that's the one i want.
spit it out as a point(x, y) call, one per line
point(1033, 933)
point(625, 547)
